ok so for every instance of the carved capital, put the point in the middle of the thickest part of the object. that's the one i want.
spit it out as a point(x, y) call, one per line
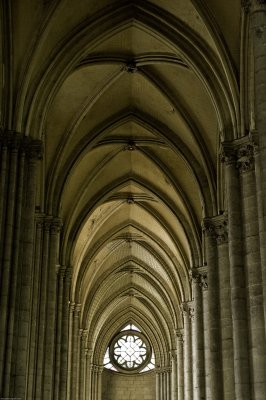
point(245, 160)
point(77, 310)
point(34, 149)
point(56, 226)
point(68, 274)
point(72, 307)
point(216, 227)
point(188, 309)
point(199, 277)
point(240, 152)
point(228, 153)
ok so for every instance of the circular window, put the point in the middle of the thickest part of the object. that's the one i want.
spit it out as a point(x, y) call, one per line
point(130, 351)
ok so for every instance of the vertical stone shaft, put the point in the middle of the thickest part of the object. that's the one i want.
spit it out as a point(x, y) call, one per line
point(258, 24)
point(262, 233)
point(214, 355)
point(198, 338)
point(11, 338)
point(35, 306)
point(51, 311)
point(42, 312)
point(75, 341)
point(99, 393)
point(237, 279)
point(188, 383)
point(174, 375)
point(60, 284)
point(226, 320)
point(26, 283)
point(7, 257)
point(88, 374)
point(82, 375)
point(158, 397)
point(253, 278)
point(161, 386)
point(65, 335)
point(70, 351)
point(3, 190)
point(180, 365)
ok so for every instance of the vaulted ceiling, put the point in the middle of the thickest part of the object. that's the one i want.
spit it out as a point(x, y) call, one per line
point(132, 100)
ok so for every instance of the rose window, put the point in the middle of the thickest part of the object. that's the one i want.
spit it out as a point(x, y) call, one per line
point(130, 350)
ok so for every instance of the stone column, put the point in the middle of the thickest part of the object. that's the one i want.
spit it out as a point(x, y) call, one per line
point(33, 152)
point(31, 387)
point(174, 374)
point(161, 385)
point(99, 380)
point(262, 235)
point(188, 311)
point(88, 374)
point(70, 351)
point(237, 275)
point(180, 363)
point(11, 323)
point(157, 377)
point(214, 383)
point(253, 270)
point(57, 368)
point(6, 267)
point(258, 30)
point(226, 332)
point(198, 336)
point(42, 312)
point(50, 329)
point(65, 335)
point(82, 375)
point(75, 352)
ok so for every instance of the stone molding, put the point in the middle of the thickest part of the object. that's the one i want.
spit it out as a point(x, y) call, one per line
point(216, 227)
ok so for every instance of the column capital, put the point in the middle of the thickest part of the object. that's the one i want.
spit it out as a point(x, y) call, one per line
point(239, 152)
point(199, 276)
point(188, 309)
point(216, 227)
point(68, 274)
point(77, 310)
point(56, 225)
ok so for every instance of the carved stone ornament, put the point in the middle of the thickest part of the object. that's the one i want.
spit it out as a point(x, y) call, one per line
point(245, 160)
point(188, 310)
point(56, 226)
point(199, 277)
point(131, 67)
point(131, 146)
point(216, 227)
point(228, 153)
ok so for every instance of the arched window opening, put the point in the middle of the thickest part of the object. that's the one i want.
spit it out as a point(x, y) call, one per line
point(130, 352)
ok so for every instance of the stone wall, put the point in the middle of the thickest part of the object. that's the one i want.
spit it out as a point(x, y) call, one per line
point(117, 386)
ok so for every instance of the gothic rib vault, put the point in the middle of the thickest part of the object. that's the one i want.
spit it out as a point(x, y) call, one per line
point(136, 104)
